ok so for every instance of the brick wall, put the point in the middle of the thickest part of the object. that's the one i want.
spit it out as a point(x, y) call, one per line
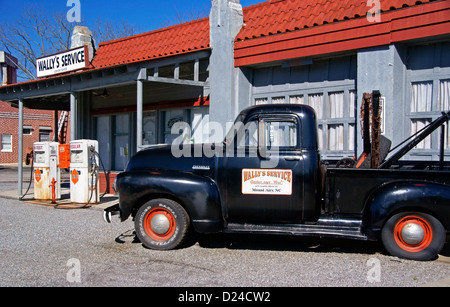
point(9, 122)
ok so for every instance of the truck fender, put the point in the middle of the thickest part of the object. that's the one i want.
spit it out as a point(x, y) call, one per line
point(395, 197)
point(197, 194)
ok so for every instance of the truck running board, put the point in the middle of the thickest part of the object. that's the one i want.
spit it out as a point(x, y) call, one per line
point(325, 227)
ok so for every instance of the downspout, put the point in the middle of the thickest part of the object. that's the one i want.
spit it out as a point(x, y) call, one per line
point(140, 107)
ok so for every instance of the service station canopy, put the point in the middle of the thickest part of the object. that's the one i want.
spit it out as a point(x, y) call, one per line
point(54, 93)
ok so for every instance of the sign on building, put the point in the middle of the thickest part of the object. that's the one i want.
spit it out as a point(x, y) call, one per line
point(71, 60)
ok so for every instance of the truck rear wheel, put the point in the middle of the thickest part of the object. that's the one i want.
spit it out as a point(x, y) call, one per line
point(162, 224)
point(413, 235)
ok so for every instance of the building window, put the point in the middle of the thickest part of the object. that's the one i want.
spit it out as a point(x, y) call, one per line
point(103, 128)
point(171, 117)
point(6, 143)
point(278, 100)
point(424, 107)
point(204, 70)
point(44, 134)
point(298, 99)
point(187, 71)
point(335, 137)
point(121, 139)
point(444, 95)
point(260, 101)
point(27, 130)
point(315, 101)
point(444, 105)
point(150, 134)
point(167, 71)
point(447, 139)
point(428, 95)
point(421, 96)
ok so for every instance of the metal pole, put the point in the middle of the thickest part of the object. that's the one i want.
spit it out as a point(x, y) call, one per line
point(442, 148)
point(56, 126)
point(139, 113)
point(140, 107)
point(20, 162)
point(73, 116)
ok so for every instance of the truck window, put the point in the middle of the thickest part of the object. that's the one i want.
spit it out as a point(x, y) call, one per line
point(281, 134)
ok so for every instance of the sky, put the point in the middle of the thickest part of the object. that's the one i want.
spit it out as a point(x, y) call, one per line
point(145, 15)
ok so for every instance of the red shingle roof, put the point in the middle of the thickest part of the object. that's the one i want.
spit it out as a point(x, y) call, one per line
point(179, 39)
point(281, 16)
point(292, 29)
point(261, 20)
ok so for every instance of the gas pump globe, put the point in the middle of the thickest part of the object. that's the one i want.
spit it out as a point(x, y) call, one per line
point(46, 168)
point(84, 179)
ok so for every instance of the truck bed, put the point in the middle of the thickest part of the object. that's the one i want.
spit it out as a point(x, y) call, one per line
point(346, 190)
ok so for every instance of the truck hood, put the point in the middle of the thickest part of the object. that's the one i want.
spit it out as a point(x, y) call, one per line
point(191, 158)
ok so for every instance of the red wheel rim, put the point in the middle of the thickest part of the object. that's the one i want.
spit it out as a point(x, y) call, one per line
point(169, 224)
point(418, 223)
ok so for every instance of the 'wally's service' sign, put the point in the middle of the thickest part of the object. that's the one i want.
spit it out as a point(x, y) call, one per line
point(266, 182)
point(66, 61)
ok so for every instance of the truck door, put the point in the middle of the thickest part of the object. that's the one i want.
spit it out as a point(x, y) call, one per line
point(263, 175)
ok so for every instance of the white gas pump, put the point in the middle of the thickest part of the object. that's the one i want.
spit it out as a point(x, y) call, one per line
point(46, 170)
point(84, 179)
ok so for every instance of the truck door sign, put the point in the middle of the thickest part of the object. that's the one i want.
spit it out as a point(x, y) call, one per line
point(266, 182)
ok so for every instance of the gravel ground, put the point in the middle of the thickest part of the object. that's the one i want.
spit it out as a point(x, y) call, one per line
point(43, 246)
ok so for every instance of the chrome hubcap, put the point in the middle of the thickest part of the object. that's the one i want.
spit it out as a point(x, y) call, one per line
point(412, 234)
point(160, 224)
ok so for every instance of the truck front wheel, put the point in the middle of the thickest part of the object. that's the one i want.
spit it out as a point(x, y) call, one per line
point(415, 236)
point(162, 224)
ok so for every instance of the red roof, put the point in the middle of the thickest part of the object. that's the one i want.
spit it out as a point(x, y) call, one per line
point(264, 22)
point(288, 29)
point(282, 16)
point(174, 40)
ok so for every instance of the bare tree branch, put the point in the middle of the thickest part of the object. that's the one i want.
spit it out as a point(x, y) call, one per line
point(39, 33)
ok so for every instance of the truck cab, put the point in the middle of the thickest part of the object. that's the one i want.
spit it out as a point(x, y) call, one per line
point(270, 169)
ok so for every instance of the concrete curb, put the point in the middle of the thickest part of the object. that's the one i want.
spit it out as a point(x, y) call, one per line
point(105, 202)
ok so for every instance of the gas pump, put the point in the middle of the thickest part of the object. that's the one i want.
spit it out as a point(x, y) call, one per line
point(84, 179)
point(46, 171)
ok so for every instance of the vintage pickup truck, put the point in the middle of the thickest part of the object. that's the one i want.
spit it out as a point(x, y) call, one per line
point(268, 178)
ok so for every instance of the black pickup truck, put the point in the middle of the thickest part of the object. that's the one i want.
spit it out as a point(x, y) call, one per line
point(267, 177)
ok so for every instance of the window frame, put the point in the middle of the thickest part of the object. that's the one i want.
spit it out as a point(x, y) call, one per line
point(3, 143)
point(293, 119)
